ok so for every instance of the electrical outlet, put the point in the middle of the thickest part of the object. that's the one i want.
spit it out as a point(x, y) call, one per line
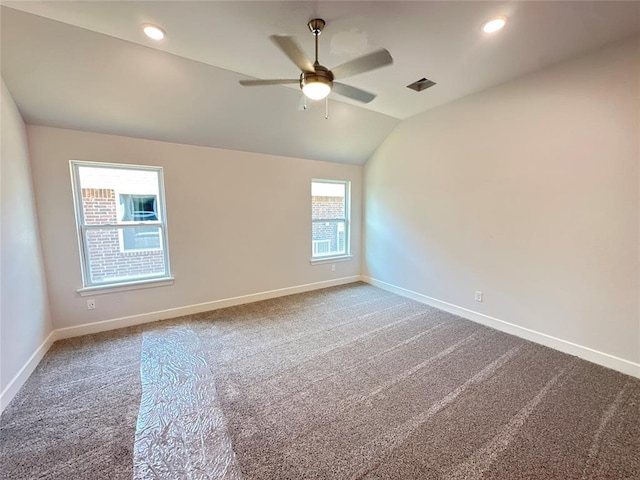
point(333, 268)
point(478, 296)
point(91, 304)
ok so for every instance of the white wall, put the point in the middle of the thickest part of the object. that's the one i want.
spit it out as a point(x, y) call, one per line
point(238, 223)
point(24, 313)
point(527, 192)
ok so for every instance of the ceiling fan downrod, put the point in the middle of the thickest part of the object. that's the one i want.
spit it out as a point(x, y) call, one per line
point(316, 25)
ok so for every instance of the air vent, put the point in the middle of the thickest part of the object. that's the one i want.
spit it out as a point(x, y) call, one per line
point(421, 84)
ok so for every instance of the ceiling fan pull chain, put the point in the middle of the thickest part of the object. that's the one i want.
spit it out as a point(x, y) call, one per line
point(326, 107)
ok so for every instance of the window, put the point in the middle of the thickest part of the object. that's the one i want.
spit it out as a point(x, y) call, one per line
point(330, 219)
point(121, 223)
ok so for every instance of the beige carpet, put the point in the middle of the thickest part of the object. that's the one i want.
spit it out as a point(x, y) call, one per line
point(345, 383)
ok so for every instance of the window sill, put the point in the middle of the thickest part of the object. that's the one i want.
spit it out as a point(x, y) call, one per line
point(338, 258)
point(125, 286)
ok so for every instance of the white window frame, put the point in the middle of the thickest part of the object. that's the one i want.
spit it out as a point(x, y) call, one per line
point(163, 278)
point(315, 259)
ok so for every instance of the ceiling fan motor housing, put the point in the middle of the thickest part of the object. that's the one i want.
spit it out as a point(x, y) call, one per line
point(321, 75)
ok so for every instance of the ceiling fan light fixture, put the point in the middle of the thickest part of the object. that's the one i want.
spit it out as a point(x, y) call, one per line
point(153, 31)
point(494, 24)
point(316, 90)
point(316, 85)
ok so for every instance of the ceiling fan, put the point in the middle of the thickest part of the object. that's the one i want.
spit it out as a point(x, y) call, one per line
point(317, 81)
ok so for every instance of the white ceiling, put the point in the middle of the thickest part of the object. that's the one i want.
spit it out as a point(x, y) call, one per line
point(107, 76)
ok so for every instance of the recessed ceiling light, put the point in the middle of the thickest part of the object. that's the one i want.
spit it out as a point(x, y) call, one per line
point(494, 24)
point(153, 31)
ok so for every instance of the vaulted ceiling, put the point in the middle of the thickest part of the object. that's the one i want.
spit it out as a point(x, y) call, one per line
point(87, 66)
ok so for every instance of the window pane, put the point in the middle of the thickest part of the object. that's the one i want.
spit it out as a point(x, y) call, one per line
point(328, 238)
point(328, 200)
point(140, 238)
point(124, 254)
point(110, 195)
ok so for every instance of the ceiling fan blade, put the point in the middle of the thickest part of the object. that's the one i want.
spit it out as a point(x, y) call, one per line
point(363, 64)
point(353, 92)
point(257, 83)
point(291, 49)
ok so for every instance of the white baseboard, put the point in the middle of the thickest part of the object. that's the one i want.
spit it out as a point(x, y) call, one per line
point(586, 353)
point(133, 320)
point(23, 374)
